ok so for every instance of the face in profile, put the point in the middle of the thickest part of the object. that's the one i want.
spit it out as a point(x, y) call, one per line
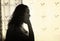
point(27, 15)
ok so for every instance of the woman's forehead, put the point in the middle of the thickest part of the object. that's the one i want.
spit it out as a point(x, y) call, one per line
point(27, 9)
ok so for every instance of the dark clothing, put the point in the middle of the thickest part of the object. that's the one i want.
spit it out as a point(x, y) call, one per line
point(16, 35)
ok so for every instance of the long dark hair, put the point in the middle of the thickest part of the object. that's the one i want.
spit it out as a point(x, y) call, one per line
point(18, 16)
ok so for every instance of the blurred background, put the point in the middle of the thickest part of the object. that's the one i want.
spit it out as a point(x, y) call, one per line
point(45, 18)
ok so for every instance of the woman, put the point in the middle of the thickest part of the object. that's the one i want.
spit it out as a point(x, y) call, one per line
point(15, 31)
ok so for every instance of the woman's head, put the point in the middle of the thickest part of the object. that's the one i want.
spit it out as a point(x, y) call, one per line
point(20, 15)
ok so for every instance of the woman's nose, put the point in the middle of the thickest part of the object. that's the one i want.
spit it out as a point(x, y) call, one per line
point(29, 15)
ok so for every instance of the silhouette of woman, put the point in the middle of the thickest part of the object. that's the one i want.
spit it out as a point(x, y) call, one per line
point(15, 30)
